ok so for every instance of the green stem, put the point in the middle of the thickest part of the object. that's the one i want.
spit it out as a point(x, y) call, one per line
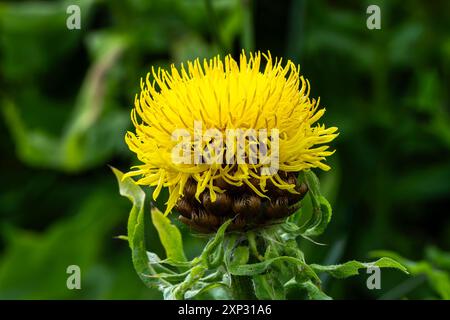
point(251, 237)
point(242, 288)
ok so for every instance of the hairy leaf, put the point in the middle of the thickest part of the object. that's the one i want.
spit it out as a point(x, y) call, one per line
point(351, 268)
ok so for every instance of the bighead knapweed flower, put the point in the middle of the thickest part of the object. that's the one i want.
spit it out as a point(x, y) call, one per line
point(245, 129)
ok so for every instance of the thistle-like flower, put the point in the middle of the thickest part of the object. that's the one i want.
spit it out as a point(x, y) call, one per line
point(228, 138)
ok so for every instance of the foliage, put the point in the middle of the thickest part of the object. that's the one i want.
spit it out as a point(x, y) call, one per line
point(385, 89)
point(435, 267)
point(281, 268)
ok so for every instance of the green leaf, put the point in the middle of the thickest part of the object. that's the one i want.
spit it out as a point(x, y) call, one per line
point(171, 276)
point(202, 288)
point(351, 268)
point(216, 259)
point(438, 279)
point(268, 286)
point(148, 265)
point(129, 189)
point(240, 256)
point(216, 241)
point(169, 235)
point(158, 264)
point(260, 267)
point(313, 291)
point(136, 231)
point(321, 208)
point(195, 274)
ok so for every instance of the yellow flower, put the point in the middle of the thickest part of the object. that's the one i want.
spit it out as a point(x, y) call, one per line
point(253, 94)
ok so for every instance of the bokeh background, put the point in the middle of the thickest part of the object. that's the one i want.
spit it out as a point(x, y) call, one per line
point(66, 96)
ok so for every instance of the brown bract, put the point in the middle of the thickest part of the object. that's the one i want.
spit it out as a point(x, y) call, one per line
point(247, 209)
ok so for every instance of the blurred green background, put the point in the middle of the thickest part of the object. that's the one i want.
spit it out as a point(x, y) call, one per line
point(66, 96)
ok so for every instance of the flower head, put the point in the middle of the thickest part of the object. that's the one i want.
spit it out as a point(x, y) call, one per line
point(208, 100)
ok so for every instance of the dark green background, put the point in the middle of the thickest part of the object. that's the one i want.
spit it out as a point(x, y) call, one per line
point(66, 95)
